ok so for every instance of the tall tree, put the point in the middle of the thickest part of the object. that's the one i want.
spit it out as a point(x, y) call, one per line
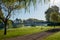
point(10, 5)
point(51, 13)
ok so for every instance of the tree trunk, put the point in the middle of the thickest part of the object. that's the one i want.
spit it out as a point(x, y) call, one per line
point(5, 26)
point(5, 29)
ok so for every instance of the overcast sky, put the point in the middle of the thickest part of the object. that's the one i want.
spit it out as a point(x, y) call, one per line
point(39, 12)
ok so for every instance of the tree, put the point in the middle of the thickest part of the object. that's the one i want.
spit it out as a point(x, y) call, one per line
point(51, 11)
point(10, 5)
point(1, 14)
point(52, 14)
point(54, 17)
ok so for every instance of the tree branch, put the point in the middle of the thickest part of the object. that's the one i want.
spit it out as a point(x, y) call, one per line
point(2, 19)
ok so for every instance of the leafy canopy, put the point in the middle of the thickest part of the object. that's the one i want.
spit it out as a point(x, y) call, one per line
point(20, 3)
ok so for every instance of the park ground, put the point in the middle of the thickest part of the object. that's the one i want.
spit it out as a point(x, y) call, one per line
point(31, 33)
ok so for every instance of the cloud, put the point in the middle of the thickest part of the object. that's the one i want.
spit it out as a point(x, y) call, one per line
point(56, 2)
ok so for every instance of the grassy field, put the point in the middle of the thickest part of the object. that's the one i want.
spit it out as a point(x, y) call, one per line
point(21, 31)
point(55, 36)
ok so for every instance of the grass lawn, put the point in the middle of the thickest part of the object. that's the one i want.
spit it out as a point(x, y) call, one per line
point(21, 31)
point(55, 36)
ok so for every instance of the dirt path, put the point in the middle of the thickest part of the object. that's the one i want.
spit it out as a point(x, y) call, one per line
point(37, 36)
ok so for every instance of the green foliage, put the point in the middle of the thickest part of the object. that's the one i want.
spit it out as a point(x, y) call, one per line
point(20, 3)
point(1, 14)
point(52, 14)
point(54, 17)
point(0, 21)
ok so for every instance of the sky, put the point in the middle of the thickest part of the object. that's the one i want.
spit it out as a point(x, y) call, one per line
point(38, 13)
